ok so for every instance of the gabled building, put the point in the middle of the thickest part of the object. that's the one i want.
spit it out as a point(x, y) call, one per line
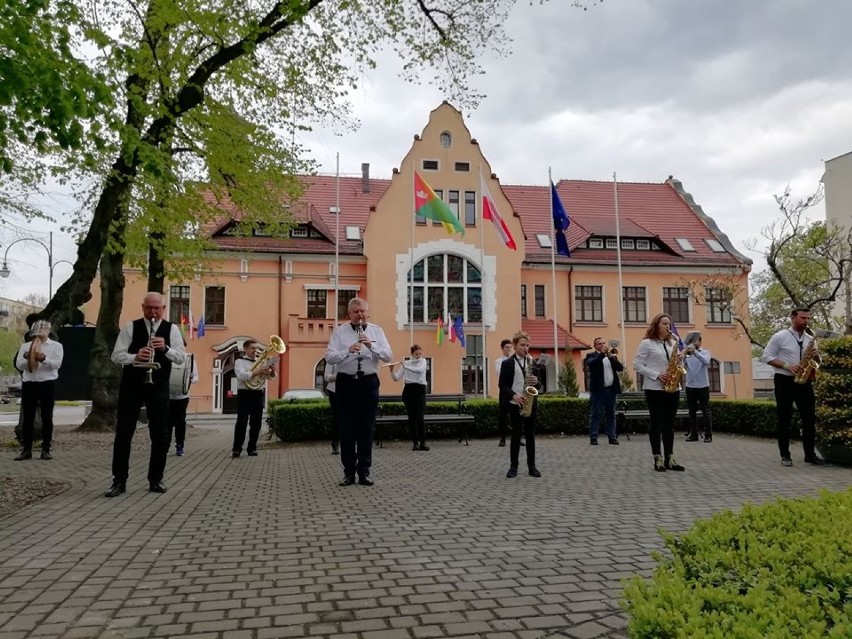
point(295, 287)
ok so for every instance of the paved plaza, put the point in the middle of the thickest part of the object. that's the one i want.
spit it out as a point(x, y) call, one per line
point(442, 546)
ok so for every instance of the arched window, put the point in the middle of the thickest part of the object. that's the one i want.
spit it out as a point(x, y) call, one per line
point(715, 375)
point(444, 285)
point(319, 372)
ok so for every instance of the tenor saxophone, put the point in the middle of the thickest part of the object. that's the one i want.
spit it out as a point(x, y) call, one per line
point(675, 370)
point(809, 364)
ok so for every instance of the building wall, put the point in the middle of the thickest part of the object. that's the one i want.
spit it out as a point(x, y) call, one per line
point(837, 180)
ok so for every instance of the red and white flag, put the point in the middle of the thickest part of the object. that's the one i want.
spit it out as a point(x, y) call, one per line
point(490, 212)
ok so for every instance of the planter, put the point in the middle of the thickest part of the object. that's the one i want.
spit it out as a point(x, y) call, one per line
point(835, 453)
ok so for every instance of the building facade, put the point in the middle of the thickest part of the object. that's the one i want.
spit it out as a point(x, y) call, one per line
point(298, 287)
point(837, 181)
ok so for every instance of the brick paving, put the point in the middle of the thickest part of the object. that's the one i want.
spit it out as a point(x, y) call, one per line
point(442, 546)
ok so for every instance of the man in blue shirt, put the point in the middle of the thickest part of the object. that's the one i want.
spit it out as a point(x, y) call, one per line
point(697, 362)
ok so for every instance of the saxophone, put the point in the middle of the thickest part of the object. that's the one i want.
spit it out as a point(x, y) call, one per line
point(530, 391)
point(675, 370)
point(809, 364)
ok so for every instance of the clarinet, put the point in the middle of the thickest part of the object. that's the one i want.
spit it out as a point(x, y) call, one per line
point(359, 373)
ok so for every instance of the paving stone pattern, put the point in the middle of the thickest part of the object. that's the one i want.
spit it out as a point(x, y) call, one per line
point(442, 546)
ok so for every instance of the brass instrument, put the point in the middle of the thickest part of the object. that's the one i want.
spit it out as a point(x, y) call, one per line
point(150, 365)
point(391, 364)
point(276, 346)
point(675, 370)
point(530, 391)
point(809, 364)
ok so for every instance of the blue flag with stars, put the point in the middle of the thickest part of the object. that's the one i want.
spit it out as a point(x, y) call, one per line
point(561, 222)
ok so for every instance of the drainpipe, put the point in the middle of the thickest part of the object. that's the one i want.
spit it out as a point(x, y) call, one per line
point(281, 332)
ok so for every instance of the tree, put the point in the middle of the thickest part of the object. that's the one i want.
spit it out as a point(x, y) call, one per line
point(206, 95)
point(568, 378)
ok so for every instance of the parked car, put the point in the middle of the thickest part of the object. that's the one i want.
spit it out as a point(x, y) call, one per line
point(300, 394)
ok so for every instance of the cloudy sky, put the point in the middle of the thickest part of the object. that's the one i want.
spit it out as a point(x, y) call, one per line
point(736, 98)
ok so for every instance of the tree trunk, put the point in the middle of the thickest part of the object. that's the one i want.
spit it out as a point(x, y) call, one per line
point(104, 375)
point(156, 264)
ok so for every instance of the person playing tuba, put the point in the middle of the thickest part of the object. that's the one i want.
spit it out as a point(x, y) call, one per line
point(249, 397)
point(39, 360)
point(519, 388)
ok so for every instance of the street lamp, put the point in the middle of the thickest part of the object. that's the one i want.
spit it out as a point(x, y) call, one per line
point(5, 271)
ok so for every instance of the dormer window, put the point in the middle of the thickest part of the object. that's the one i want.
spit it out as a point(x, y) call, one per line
point(299, 231)
point(596, 243)
point(611, 243)
point(643, 245)
point(627, 244)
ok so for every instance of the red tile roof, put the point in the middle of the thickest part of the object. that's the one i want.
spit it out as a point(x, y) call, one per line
point(660, 213)
point(541, 335)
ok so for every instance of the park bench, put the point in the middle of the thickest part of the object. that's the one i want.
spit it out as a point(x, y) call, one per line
point(460, 418)
point(624, 413)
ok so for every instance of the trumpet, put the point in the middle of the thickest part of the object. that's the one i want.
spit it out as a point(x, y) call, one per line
point(389, 364)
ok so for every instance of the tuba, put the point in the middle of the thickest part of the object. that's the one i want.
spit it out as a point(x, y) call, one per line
point(675, 370)
point(276, 346)
point(809, 363)
point(530, 391)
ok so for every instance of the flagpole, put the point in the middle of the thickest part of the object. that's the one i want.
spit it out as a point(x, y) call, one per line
point(482, 288)
point(411, 265)
point(553, 276)
point(337, 241)
point(618, 255)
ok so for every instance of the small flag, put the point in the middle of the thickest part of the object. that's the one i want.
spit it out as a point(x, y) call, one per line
point(561, 222)
point(439, 335)
point(490, 212)
point(680, 345)
point(183, 326)
point(429, 205)
point(191, 325)
point(452, 326)
point(458, 329)
point(201, 327)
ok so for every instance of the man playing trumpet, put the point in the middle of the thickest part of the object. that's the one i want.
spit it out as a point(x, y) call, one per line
point(39, 359)
point(604, 385)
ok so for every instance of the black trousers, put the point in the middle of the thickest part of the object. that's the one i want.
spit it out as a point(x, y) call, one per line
point(787, 393)
point(35, 394)
point(249, 413)
point(662, 408)
point(177, 420)
point(358, 399)
point(414, 398)
point(699, 399)
point(131, 398)
point(522, 426)
point(335, 418)
point(502, 418)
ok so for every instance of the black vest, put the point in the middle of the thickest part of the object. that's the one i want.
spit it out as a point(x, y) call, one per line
point(134, 375)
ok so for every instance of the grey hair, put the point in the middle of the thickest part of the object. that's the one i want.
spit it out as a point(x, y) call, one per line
point(356, 301)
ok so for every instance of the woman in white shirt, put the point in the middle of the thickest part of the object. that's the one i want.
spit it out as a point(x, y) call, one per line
point(413, 373)
point(652, 363)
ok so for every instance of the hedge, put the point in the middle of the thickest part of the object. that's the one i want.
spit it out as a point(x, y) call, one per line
point(775, 571)
point(311, 419)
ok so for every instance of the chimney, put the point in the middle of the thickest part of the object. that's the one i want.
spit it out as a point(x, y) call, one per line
point(365, 177)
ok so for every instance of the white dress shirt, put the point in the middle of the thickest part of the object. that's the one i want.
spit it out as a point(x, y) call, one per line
point(412, 371)
point(608, 376)
point(175, 352)
point(788, 346)
point(651, 361)
point(697, 369)
point(499, 363)
point(345, 336)
point(46, 370)
point(520, 379)
point(242, 371)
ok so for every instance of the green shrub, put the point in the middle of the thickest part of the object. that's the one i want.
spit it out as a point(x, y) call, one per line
point(776, 571)
point(833, 389)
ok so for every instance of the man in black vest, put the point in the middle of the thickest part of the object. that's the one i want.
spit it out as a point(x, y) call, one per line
point(604, 386)
point(140, 345)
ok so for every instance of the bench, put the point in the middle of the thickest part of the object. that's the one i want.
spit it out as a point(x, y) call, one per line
point(624, 414)
point(460, 417)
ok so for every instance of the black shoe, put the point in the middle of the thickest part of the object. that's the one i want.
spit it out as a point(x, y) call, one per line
point(513, 472)
point(502, 442)
point(424, 447)
point(157, 487)
point(692, 438)
point(593, 442)
point(348, 480)
point(535, 472)
point(659, 466)
point(24, 454)
point(816, 461)
point(671, 464)
point(416, 446)
point(786, 461)
point(45, 454)
point(708, 438)
point(251, 453)
point(117, 488)
point(613, 441)
point(365, 480)
point(236, 453)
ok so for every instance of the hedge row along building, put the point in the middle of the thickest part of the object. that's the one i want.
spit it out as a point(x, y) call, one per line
point(671, 253)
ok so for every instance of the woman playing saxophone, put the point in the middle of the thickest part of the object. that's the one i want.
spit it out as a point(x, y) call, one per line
point(516, 378)
point(658, 361)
